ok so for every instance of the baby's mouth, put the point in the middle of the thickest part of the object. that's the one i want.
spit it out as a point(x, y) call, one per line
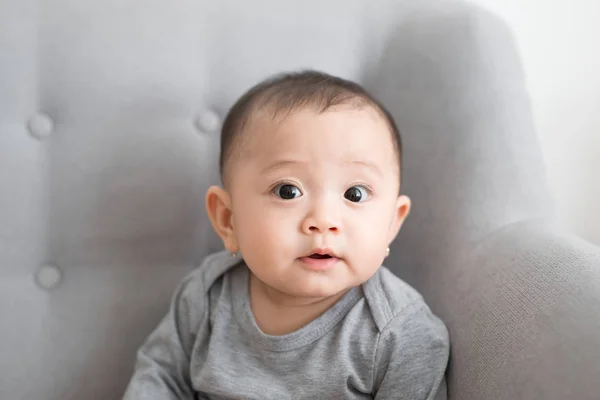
point(317, 256)
point(320, 260)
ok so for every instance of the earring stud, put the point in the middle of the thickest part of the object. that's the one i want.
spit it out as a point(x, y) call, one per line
point(387, 252)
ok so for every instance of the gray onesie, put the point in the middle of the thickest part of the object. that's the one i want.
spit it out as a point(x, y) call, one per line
point(379, 341)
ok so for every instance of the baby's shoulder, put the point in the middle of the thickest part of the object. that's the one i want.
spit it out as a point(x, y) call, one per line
point(390, 299)
point(199, 283)
point(408, 331)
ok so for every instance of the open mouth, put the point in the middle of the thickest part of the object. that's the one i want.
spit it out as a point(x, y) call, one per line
point(320, 260)
point(319, 256)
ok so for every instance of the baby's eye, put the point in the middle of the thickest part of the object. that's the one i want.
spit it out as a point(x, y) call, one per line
point(287, 191)
point(357, 194)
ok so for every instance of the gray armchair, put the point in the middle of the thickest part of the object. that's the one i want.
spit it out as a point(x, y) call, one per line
point(109, 131)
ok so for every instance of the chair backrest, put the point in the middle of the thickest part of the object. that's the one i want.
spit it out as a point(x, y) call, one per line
point(109, 129)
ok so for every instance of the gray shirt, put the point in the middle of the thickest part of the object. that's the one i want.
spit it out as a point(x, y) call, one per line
point(379, 341)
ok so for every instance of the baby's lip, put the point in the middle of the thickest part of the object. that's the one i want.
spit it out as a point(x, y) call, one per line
point(322, 252)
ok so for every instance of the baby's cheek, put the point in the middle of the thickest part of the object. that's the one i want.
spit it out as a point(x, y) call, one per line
point(265, 227)
point(371, 239)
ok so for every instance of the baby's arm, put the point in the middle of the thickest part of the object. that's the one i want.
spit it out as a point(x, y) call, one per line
point(162, 367)
point(412, 356)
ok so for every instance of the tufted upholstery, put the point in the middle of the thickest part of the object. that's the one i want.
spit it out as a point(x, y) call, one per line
point(109, 125)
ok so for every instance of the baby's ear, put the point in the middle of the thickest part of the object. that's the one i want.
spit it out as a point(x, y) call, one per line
point(218, 207)
point(400, 213)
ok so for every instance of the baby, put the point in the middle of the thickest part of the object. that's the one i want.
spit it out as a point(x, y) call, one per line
point(300, 306)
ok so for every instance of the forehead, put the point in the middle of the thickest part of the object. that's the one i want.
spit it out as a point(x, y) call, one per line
point(340, 132)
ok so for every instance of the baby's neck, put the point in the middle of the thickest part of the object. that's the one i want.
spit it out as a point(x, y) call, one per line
point(278, 314)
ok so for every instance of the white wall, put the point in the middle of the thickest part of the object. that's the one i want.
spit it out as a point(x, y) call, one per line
point(559, 41)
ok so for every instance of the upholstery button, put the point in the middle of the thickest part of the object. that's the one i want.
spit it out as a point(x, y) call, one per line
point(40, 126)
point(48, 276)
point(208, 121)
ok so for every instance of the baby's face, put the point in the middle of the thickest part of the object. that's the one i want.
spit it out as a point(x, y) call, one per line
point(315, 199)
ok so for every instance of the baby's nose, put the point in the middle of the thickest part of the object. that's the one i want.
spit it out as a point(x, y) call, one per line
point(320, 228)
point(320, 221)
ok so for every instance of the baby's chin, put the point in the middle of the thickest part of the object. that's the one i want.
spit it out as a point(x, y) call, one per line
point(306, 283)
point(310, 290)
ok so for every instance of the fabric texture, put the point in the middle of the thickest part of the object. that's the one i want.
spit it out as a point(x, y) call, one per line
point(379, 341)
point(109, 138)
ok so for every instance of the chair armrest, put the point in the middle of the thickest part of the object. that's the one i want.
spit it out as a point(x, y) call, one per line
point(530, 326)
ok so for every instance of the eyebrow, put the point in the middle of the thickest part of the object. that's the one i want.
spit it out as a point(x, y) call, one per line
point(279, 164)
point(373, 167)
